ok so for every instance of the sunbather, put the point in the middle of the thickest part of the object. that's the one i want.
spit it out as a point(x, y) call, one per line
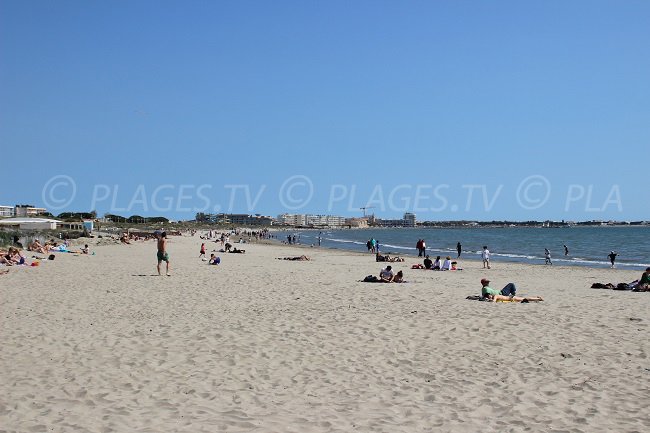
point(644, 282)
point(506, 294)
point(302, 258)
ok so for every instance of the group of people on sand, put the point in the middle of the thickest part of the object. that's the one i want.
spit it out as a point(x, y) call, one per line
point(386, 275)
point(387, 258)
point(439, 265)
point(13, 256)
point(373, 246)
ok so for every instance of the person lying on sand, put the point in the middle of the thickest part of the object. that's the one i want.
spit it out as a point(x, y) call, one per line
point(302, 258)
point(387, 258)
point(37, 247)
point(237, 251)
point(506, 294)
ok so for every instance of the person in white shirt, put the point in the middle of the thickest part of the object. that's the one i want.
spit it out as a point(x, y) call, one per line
point(386, 275)
point(446, 265)
point(486, 257)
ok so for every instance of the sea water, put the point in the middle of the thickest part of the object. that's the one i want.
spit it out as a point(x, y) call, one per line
point(588, 246)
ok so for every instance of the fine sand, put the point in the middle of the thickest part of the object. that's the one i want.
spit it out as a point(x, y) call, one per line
point(100, 344)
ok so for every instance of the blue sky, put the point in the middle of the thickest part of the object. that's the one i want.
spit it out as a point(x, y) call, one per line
point(454, 110)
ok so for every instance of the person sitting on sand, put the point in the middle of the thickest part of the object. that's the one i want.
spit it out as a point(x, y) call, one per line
point(399, 277)
point(380, 258)
point(427, 263)
point(302, 258)
point(5, 259)
point(436, 264)
point(85, 249)
point(506, 294)
point(14, 256)
point(386, 275)
point(214, 260)
point(227, 247)
point(446, 266)
point(644, 283)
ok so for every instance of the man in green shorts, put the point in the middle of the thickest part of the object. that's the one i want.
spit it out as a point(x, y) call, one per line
point(162, 251)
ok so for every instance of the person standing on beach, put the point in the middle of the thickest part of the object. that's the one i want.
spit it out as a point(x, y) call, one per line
point(566, 250)
point(486, 257)
point(418, 246)
point(547, 257)
point(162, 252)
point(424, 248)
point(459, 248)
point(612, 258)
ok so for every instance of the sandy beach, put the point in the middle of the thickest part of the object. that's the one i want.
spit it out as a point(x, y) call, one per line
point(102, 344)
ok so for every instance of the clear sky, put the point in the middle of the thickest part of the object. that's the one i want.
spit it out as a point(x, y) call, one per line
point(453, 109)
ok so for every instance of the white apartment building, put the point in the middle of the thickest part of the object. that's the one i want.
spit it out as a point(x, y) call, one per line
point(292, 219)
point(28, 211)
point(409, 219)
point(311, 220)
point(6, 211)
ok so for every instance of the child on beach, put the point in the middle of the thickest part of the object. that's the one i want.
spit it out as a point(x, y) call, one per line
point(202, 252)
point(486, 257)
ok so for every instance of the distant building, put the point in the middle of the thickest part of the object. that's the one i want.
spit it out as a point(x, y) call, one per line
point(292, 219)
point(357, 223)
point(300, 220)
point(243, 219)
point(408, 220)
point(324, 220)
point(30, 223)
point(6, 211)
point(26, 210)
